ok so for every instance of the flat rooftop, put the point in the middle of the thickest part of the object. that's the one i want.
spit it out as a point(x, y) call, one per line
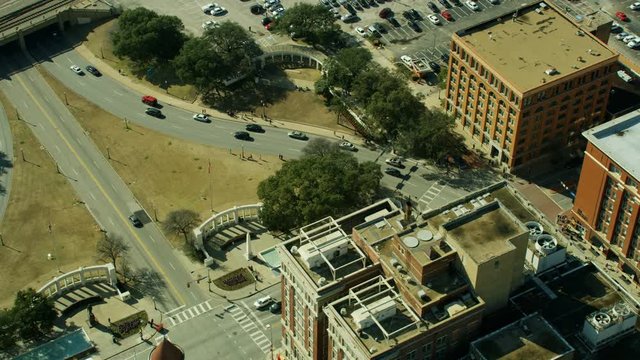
point(522, 50)
point(530, 338)
point(619, 139)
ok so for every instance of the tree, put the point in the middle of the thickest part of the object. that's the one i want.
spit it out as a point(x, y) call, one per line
point(7, 329)
point(316, 186)
point(320, 147)
point(342, 69)
point(144, 36)
point(111, 248)
point(33, 314)
point(432, 137)
point(181, 222)
point(313, 22)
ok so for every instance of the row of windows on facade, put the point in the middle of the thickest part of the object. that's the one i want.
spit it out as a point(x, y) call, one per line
point(621, 222)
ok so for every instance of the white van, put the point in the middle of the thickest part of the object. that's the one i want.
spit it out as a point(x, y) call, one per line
point(263, 302)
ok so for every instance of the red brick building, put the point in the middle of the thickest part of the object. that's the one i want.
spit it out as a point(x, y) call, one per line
point(607, 201)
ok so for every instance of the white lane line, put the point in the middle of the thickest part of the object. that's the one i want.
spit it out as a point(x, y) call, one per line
point(152, 239)
point(175, 309)
point(81, 83)
point(114, 187)
point(25, 104)
point(76, 171)
point(111, 221)
point(253, 315)
point(298, 150)
point(193, 295)
point(70, 62)
point(57, 148)
point(118, 92)
point(108, 100)
point(61, 118)
point(95, 163)
point(176, 126)
point(92, 196)
point(173, 267)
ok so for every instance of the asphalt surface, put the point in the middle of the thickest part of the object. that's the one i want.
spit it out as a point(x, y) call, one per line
point(95, 181)
point(6, 147)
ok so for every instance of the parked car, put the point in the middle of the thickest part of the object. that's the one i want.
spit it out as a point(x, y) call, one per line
point(202, 118)
point(494, 2)
point(210, 24)
point(360, 31)
point(456, 2)
point(414, 25)
point(154, 112)
point(434, 19)
point(135, 221)
point(298, 135)
point(444, 58)
point(242, 135)
point(345, 145)
point(254, 128)
point(207, 8)
point(407, 60)
point(276, 307)
point(392, 20)
point(349, 18)
point(434, 66)
point(150, 100)
point(622, 35)
point(263, 302)
point(621, 16)
point(385, 13)
point(615, 27)
point(257, 9)
point(217, 11)
point(76, 69)
point(395, 161)
point(445, 3)
point(393, 172)
point(472, 5)
point(433, 7)
point(634, 44)
point(412, 14)
point(628, 38)
point(266, 20)
point(93, 71)
point(635, 6)
point(446, 15)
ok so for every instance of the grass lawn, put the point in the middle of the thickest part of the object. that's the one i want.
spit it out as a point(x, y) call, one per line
point(39, 197)
point(234, 280)
point(165, 173)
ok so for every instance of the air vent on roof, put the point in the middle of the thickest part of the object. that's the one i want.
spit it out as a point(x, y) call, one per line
point(580, 33)
point(551, 71)
point(294, 250)
point(543, 5)
point(322, 281)
point(343, 311)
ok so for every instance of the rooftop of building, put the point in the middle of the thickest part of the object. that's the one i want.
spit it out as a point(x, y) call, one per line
point(619, 139)
point(522, 51)
point(380, 319)
point(529, 338)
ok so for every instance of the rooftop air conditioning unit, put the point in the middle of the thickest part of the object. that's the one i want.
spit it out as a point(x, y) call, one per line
point(535, 229)
point(322, 281)
point(546, 244)
point(343, 311)
point(621, 310)
point(294, 250)
point(551, 71)
point(602, 319)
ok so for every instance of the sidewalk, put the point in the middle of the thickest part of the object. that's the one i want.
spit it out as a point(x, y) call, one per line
point(197, 107)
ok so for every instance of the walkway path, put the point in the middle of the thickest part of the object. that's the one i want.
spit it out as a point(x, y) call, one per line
point(6, 163)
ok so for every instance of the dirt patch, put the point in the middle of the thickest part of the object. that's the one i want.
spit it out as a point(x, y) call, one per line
point(40, 197)
point(304, 107)
point(167, 174)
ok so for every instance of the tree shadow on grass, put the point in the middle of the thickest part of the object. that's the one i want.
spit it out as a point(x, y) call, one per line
point(147, 283)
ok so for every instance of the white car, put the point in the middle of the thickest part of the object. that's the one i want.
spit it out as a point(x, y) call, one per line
point(634, 43)
point(217, 11)
point(348, 17)
point(271, 2)
point(635, 6)
point(263, 302)
point(407, 60)
point(297, 135)
point(76, 69)
point(202, 118)
point(615, 26)
point(472, 5)
point(628, 38)
point(434, 19)
point(207, 8)
point(345, 145)
point(360, 31)
point(335, 12)
point(210, 24)
point(622, 35)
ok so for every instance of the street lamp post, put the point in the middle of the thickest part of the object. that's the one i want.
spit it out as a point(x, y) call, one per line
point(154, 302)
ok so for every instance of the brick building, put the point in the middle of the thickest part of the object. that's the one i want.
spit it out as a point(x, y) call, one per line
point(607, 202)
point(524, 85)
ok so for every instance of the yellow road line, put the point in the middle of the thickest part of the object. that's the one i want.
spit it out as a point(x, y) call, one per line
point(122, 217)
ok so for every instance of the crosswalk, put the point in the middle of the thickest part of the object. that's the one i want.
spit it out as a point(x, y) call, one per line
point(250, 327)
point(434, 190)
point(190, 313)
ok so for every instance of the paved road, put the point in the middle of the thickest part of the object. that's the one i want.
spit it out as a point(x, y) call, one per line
point(219, 330)
point(6, 148)
point(95, 181)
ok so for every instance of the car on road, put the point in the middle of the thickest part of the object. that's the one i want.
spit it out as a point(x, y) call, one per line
point(433, 7)
point(360, 31)
point(202, 118)
point(393, 172)
point(254, 128)
point(414, 25)
point(445, 3)
point(447, 15)
point(210, 24)
point(385, 13)
point(93, 71)
point(434, 19)
point(345, 145)
point(276, 307)
point(434, 66)
point(135, 221)
point(76, 69)
point(622, 35)
point(621, 16)
point(150, 100)
point(392, 20)
point(263, 302)
point(242, 135)
point(395, 161)
point(472, 5)
point(298, 135)
point(153, 112)
point(407, 60)
point(635, 6)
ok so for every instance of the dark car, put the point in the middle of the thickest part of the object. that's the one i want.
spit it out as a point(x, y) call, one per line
point(445, 3)
point(153, 112)
point(385, 13)
point(414, 25)
point(93, 71)
point(276, 307)
point(350, 9)
point(242, 135)
point(135, 221)
point(456, 2)
point(392, 20)
point(433, 7)
point(444, 58)
point(415, 14)
point(257, 9)
point(434, 66)
point(266, 21)
point(254, 128)
point(393, 172)
point(407, 15)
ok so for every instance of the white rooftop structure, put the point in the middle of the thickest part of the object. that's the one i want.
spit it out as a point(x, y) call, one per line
point(619, 139)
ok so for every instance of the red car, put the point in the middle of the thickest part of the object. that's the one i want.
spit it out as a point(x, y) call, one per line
point(622, 16)
point(269, 26)
point(150, 100)
point(447, 15)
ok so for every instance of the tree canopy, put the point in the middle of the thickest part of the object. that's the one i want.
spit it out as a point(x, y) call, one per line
point(7, 329)
point(111, 248)
point(144, 36)
point(323, 182)
point(313, 22)
point(33, 314)
point(432, 137)
point(181, 222)
point(344, 68)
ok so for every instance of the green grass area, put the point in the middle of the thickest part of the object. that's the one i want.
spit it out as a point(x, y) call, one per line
point(130, 325)
point(234, 280)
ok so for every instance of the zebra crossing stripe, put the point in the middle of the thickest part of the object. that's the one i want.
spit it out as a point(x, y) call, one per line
point(201, 308)
point(208, 305)
point(190, 313)
point(196, 310)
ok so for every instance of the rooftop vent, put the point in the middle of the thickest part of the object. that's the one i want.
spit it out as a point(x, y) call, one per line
point(546, 244)
point(322, 281)
point(543, 5)
point(580, 33)
point(294, 250)
point(535, 229)
point(343, 311)
point(551, 71)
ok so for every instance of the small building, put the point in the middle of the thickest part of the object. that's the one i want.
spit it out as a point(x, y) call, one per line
point(531, 337)
point(544, 252)
point(166, 350)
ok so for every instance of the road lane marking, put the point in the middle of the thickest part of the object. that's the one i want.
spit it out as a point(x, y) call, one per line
point(75, 171)
point(118, 93)
point(111, 221)
point(92, 196)
point(108, 100)
point(160, 269)
point(57, 148)
point(152, 239)
point(170, 264)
